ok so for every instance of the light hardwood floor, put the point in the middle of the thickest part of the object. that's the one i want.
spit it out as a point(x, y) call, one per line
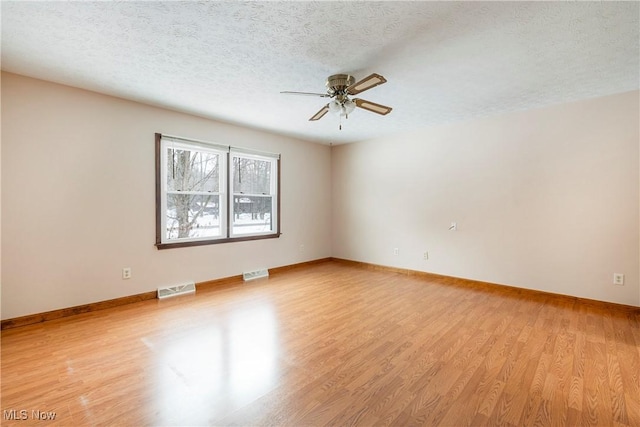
point(332, 344)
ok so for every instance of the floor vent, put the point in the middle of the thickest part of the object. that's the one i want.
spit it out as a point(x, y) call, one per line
point(174, 291)
point(257, 274)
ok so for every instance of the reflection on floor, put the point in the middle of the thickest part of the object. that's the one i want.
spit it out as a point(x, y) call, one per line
point(331, 344)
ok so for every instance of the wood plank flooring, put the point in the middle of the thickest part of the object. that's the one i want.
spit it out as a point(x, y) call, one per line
point(331, 344)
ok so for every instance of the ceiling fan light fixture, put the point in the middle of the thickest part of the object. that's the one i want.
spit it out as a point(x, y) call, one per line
point(342, 108)
point(349, 106)
point(335, 107)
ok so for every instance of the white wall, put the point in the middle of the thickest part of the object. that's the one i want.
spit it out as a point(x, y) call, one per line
point(78, 199)
point(545, 199)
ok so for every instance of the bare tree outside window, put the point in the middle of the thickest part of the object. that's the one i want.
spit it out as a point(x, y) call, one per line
point(193, 202)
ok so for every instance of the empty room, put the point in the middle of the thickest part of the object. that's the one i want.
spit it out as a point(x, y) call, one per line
point(320, 213)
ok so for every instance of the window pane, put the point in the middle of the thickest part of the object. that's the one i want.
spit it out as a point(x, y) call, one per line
point(192, 171)
point(252, 214)
point(251, 176)
point(194, 216)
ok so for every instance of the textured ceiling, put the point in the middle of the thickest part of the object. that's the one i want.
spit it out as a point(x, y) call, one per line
point(444, 61)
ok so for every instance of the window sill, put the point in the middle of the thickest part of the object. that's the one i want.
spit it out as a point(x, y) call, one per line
point(216, 241)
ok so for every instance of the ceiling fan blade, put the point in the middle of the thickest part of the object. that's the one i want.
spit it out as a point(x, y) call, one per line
point(367, 83)
point(372, 106)
point(323, 95)
point(320, 114)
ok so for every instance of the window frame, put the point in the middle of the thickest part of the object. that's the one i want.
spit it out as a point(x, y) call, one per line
point(273, 190)
point(225, 192)
point(221, 195)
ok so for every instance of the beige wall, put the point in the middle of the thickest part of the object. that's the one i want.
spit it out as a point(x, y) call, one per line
point(78, 201)
point(545, 199)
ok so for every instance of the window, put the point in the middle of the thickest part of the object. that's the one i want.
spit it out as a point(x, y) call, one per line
point(253, 194)
point(208, 193)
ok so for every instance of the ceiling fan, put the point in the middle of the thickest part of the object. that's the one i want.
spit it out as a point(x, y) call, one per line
point(340, 87)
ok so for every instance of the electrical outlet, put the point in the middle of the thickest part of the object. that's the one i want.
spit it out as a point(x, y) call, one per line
point(618, 279)
point(425, 255)
point(301, 248)
point(396, 251)
point(126, 273)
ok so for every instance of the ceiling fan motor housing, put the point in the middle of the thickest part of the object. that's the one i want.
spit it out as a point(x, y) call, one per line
point(338, 83)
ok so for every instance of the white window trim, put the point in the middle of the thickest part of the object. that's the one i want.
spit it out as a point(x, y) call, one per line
point(222, 199)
